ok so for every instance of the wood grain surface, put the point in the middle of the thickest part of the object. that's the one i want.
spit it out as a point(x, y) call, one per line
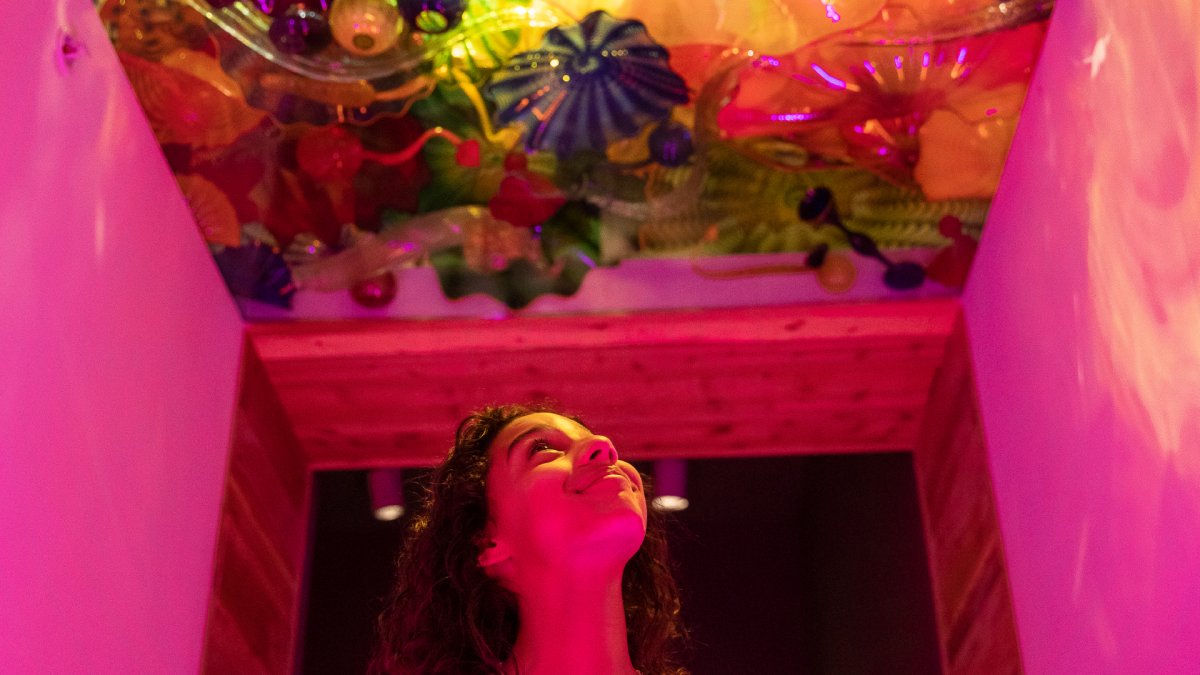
point(972, 598)
point(763, 381)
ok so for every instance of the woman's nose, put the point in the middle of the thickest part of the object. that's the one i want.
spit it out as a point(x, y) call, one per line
point(598, 449)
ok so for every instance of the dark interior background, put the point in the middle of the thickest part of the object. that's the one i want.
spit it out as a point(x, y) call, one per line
point(786, 564)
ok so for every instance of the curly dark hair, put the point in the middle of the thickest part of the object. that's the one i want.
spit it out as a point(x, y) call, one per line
point(446, 616)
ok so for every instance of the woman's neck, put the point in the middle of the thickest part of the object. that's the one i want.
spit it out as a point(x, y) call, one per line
point(576, 628)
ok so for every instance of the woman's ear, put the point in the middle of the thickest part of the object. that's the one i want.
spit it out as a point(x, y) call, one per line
point(492, 550)
point(492, 553)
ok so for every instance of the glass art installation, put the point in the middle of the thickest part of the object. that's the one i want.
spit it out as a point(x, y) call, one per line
point(515, 146)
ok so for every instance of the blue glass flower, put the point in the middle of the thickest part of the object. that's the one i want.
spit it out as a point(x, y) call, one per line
point(587, 85)
point(256, 271)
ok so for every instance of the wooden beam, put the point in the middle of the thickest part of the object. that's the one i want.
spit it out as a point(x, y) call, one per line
point(253, 611)
point(973, 604)
point(282, 341)
point(704, 383)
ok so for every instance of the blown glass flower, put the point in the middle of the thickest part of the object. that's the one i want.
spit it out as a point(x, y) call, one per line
point(587, 85)
point(935, 114)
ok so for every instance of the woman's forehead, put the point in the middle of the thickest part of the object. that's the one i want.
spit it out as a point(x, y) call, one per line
point(542, 419)
point(538, 420)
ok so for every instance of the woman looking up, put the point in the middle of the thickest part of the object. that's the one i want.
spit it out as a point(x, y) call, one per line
point(535, 554)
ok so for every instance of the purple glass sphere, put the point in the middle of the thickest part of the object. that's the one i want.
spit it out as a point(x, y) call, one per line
point(670, 144)
point(278, 8)
point(300, 31)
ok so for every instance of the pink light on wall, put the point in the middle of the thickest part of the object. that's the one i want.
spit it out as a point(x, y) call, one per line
point(1084, 315)
point(119, 352)
point(1144, 243)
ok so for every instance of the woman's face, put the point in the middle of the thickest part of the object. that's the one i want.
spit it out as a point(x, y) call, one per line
point(560, 498)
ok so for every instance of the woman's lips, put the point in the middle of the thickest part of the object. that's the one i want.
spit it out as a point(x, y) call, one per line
point(611, 473)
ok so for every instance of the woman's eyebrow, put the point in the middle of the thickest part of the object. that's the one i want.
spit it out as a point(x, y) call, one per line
point(516, 441)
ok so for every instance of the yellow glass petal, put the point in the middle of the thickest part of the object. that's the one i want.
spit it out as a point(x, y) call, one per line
point(961, 159)
point(214, 213)
point(766, 26)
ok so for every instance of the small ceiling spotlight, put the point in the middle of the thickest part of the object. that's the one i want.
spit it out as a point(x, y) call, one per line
point(387, 493)
point(670, 485)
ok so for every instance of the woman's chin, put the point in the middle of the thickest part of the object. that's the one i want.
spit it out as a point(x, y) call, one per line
point(620, 533)
point(610, 535)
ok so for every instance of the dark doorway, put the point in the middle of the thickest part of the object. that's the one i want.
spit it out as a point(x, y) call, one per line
point(810, 564)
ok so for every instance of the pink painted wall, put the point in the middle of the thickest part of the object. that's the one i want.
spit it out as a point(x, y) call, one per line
point(1084, 315)
point(118, 358)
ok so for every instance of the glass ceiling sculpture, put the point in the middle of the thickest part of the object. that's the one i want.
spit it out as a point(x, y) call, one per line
point(514, 146)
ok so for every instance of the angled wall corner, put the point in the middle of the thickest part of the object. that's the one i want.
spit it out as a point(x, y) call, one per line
point(119, 356)
point(1083, 313)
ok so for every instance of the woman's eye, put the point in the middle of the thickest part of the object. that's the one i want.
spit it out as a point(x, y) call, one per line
point(538, 446)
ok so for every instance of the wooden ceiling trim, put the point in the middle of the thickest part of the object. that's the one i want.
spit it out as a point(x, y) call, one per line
point(975, 616)
point(871, 431)
point(437, 383)
point(253, 609)
point(285, 341)
point(705, 383)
